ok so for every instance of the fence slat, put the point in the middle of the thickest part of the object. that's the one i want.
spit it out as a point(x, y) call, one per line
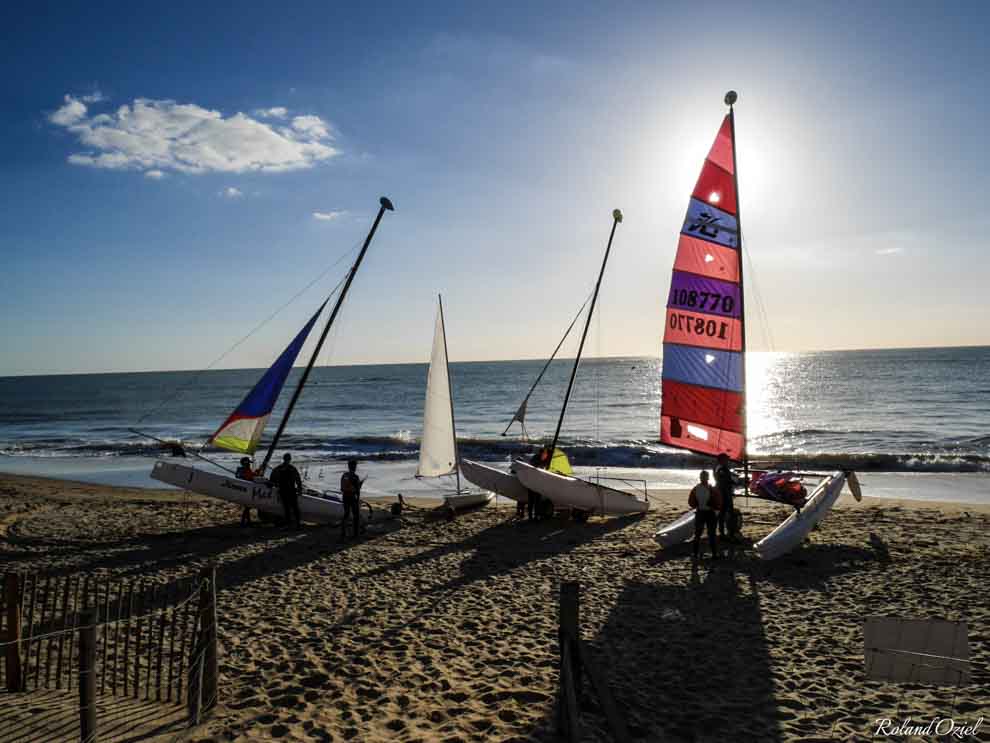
point(12, 592)
point(127, 632)
point(48, 630)
point(40, 630)
point(31, 629)
point(186, 613)
point(118, 610)
point(87, 676)
point(168, 590)
point(105, 620)
point(171, 640)
point(137, 639)
point(62, 628)
point(152, 607)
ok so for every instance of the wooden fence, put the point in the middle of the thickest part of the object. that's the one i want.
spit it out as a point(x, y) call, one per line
point(104, 636)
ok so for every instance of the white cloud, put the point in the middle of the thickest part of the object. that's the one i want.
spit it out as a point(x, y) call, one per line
point(329, 216)
point(312, 126)
point(167, 136)
point(93, 97)
point(154, 174)
point(275, 112)
point(890, 251)
point(72, 111)
point(231, 193)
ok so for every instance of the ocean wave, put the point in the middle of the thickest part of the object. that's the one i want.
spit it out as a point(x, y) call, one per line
point(583, 452)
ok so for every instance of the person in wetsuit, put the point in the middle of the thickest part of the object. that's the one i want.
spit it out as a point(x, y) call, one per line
point(286, 478)
point(350, 489)
point(725, 481)
point(540, 459)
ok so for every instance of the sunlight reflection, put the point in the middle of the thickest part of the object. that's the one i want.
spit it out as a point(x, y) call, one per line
point(768, 394)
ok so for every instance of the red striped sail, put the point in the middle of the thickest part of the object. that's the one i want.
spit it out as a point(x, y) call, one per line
point(702, 382)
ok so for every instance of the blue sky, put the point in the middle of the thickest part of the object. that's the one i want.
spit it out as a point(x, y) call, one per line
point(505, 134)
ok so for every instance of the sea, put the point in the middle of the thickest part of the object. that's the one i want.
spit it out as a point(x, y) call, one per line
point(914, 423)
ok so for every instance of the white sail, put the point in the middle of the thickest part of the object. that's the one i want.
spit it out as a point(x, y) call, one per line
point(437, 450)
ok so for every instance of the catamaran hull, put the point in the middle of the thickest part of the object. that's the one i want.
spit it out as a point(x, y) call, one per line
point(677, 531)
point(796, 527)
point(582, 495)
point(467, 500)
point(494, 480)
point(315, 509)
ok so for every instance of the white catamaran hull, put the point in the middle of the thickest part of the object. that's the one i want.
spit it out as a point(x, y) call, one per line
point(796, 527)
point(677, 531)
point(467, 500)
point(494, 480)
point(582, 495)
point(320, 509)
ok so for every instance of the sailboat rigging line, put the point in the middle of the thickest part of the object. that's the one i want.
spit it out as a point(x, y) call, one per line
point(386, 205)
point(450, 393)
point(194, 453)
point(549, 361)
point(179, 389)
point(616, 218)
point(760, 304)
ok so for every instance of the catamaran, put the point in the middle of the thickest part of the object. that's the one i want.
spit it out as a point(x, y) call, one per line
point(506, 484)
point(703, 382)
point(242, 430)
point(438, 456)
point(565, 490)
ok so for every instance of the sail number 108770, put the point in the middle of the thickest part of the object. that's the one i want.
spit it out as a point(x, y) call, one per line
point(698, 326)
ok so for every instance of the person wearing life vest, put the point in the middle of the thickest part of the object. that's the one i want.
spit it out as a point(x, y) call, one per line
point(244, 472)
point(350, 489)
point(705, 500)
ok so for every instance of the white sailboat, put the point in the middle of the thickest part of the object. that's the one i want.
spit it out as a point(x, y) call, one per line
point(438, 447)
point(242, 430)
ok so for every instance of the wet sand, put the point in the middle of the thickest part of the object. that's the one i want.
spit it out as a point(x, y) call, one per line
point(447, 631)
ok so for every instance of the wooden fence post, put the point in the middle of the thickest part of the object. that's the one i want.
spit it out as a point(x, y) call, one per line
point(208, 625)
point(87, 677)
point(568, 637)
point(570, 626)
point(12, 600)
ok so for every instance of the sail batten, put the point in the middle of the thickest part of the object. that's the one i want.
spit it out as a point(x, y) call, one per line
point(703, 377)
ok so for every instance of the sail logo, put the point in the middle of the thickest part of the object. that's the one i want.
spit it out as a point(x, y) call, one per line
point(710, 223)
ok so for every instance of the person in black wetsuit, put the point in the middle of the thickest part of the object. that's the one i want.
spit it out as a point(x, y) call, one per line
point(350, 489)
point(541, 459)
point(705, 500)
point(725, 481)
point(286, 478)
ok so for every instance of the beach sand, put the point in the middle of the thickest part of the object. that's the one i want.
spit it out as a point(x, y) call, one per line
point(431, 630)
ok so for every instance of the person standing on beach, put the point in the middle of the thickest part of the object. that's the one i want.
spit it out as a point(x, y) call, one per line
point(286, 478)
point(350, 489)
point(725, 481)
point(541, 459)
point(705, 500)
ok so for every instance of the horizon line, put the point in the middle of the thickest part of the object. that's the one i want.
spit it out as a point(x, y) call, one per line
point(473, 361)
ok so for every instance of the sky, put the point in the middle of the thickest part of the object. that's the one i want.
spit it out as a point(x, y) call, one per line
point(173, 175)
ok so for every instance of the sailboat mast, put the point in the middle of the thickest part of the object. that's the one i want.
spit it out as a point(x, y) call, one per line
point(616, 218)
point(386, 205)
point(450, 394)
point(730, 98)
